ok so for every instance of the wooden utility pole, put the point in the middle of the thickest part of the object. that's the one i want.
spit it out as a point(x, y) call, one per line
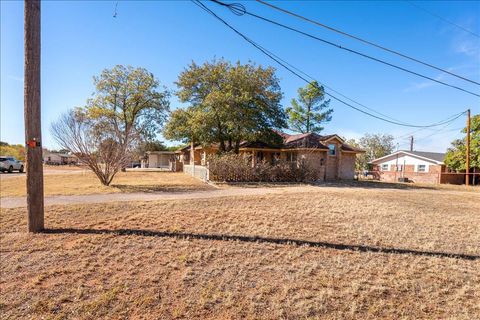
point(467, 160)
point(33, 131)
point(411, 143)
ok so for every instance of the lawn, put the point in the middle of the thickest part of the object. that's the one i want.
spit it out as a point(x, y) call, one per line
point(78, 182)
point(335, 252)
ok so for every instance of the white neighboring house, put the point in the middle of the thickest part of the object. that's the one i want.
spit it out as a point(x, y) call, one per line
point(417, 166)
point(158, 159)
point(55, 158)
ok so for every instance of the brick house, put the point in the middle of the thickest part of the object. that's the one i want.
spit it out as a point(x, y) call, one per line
point(328, 154)
point(417, 166)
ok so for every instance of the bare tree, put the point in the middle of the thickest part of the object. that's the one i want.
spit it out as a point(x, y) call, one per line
point(126, 108)
point(102, 151)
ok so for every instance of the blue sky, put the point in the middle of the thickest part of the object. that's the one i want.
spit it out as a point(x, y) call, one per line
point(79, 39)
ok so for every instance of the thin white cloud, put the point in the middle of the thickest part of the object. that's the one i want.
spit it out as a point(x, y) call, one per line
point(426, 84)
point(467, 46)
point(19, 79)
point(466, 70)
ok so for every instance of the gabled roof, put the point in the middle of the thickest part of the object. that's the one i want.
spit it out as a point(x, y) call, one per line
point(349, 148)
point(330, 137)
point(304, 140)
point(435, 157)
point(308, 140)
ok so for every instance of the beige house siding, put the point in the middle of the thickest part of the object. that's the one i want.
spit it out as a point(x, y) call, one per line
point(347, 166)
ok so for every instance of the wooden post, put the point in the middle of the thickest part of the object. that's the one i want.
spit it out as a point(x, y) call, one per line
point(467, 160)
point(33, 132)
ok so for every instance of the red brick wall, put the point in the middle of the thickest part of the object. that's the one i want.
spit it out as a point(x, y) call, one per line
point(432, 176)
point(313, 160)
point(409, 168)
point(347, 166)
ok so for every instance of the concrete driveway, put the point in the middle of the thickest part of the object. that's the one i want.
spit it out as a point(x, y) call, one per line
point(15, 202)
point(6, 175)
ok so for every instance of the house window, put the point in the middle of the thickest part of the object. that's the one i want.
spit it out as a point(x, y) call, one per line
point(260, 156)
point(291, 156)
point(421, 168)
point(331, 149)
point(385, 167)
point(275, 157)
point(399, 167)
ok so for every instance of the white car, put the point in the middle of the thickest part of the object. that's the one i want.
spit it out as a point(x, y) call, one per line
point(10, 163)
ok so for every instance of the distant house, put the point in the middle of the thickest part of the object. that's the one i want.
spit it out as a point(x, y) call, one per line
point(329, 154)
point(416, 166)
point(56, 158)
point(158, 159)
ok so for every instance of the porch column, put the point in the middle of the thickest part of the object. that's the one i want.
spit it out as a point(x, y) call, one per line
point(192, 153)
point(254, 159)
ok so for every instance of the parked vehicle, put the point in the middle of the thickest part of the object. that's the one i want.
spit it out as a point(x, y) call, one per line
point(10, 163)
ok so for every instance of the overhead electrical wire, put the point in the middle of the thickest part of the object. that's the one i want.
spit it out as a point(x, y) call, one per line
point(290, 69)
point(443, 19)
point(362, 40)
point(448, 120)
point(345, 48)
point(437, 132)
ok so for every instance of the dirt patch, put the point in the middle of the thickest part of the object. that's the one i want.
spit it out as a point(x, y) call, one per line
point(80, 182)
point(209, 258)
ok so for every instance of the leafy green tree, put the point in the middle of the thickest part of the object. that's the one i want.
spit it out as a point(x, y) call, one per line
point(310, 111)
point(127, 101)
point(456, 154)
point(187, 125)
point(228, 103)
point(375, 146)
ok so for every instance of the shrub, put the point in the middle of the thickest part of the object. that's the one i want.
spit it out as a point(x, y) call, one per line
point(232, 167)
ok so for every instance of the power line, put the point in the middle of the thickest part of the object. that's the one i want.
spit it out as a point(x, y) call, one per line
point(364, 41)
point(442, 18)
point(441, 131)
point(350, 50)
point(271, 56)
point(448, 120)
point(330, 88)
point(437, 131)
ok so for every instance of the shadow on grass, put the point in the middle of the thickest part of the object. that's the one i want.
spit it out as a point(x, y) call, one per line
point(158, 188)
point(220, 237)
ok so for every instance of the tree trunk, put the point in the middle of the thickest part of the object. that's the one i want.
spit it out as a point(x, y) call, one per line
point(308, 118)
point(237, 147)
point(222, 146)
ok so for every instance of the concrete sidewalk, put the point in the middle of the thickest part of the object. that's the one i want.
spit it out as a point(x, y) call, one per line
point(16, 202)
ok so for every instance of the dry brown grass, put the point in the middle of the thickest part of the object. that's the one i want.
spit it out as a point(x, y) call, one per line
point(164, 266)
point(85, 182)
